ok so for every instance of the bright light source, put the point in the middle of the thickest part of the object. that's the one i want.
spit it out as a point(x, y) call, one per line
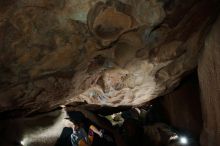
point(22, 142)
point(183, 140)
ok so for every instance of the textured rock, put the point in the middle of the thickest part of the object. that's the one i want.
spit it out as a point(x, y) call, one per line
point(209, 77)
point(99, 52)
point(182, 107)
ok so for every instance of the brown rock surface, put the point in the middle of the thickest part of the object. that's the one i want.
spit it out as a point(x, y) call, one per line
point(209, 78)
point(183, 107)
point(113, 52)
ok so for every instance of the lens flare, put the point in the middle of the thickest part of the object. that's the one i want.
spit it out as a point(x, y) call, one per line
point(183, 140)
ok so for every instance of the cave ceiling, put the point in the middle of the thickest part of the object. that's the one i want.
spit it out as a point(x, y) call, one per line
point(97, 52)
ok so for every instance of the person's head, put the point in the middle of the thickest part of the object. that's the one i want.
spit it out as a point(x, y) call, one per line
point(75, 125)
point(75, 120)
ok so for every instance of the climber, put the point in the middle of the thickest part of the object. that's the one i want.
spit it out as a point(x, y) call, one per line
point(87, 140)
point(105, 124)
point(79, 137)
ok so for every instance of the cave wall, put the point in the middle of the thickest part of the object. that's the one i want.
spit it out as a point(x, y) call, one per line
point(102, 52)
point(209, 79)
point(182, 106)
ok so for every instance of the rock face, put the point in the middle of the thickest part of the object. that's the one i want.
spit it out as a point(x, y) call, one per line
point(209, 77)
point(103, 52)
point(183, 107)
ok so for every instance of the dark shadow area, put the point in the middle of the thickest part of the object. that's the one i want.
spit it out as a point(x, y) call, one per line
point(64, 138)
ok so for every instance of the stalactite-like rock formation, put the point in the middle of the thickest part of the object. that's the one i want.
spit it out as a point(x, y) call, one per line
point(103, 52)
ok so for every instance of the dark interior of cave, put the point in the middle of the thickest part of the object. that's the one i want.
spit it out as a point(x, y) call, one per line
point(109, 73)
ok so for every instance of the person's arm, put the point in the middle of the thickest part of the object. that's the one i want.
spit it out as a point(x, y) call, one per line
point(95, 130)
point(96, 119)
